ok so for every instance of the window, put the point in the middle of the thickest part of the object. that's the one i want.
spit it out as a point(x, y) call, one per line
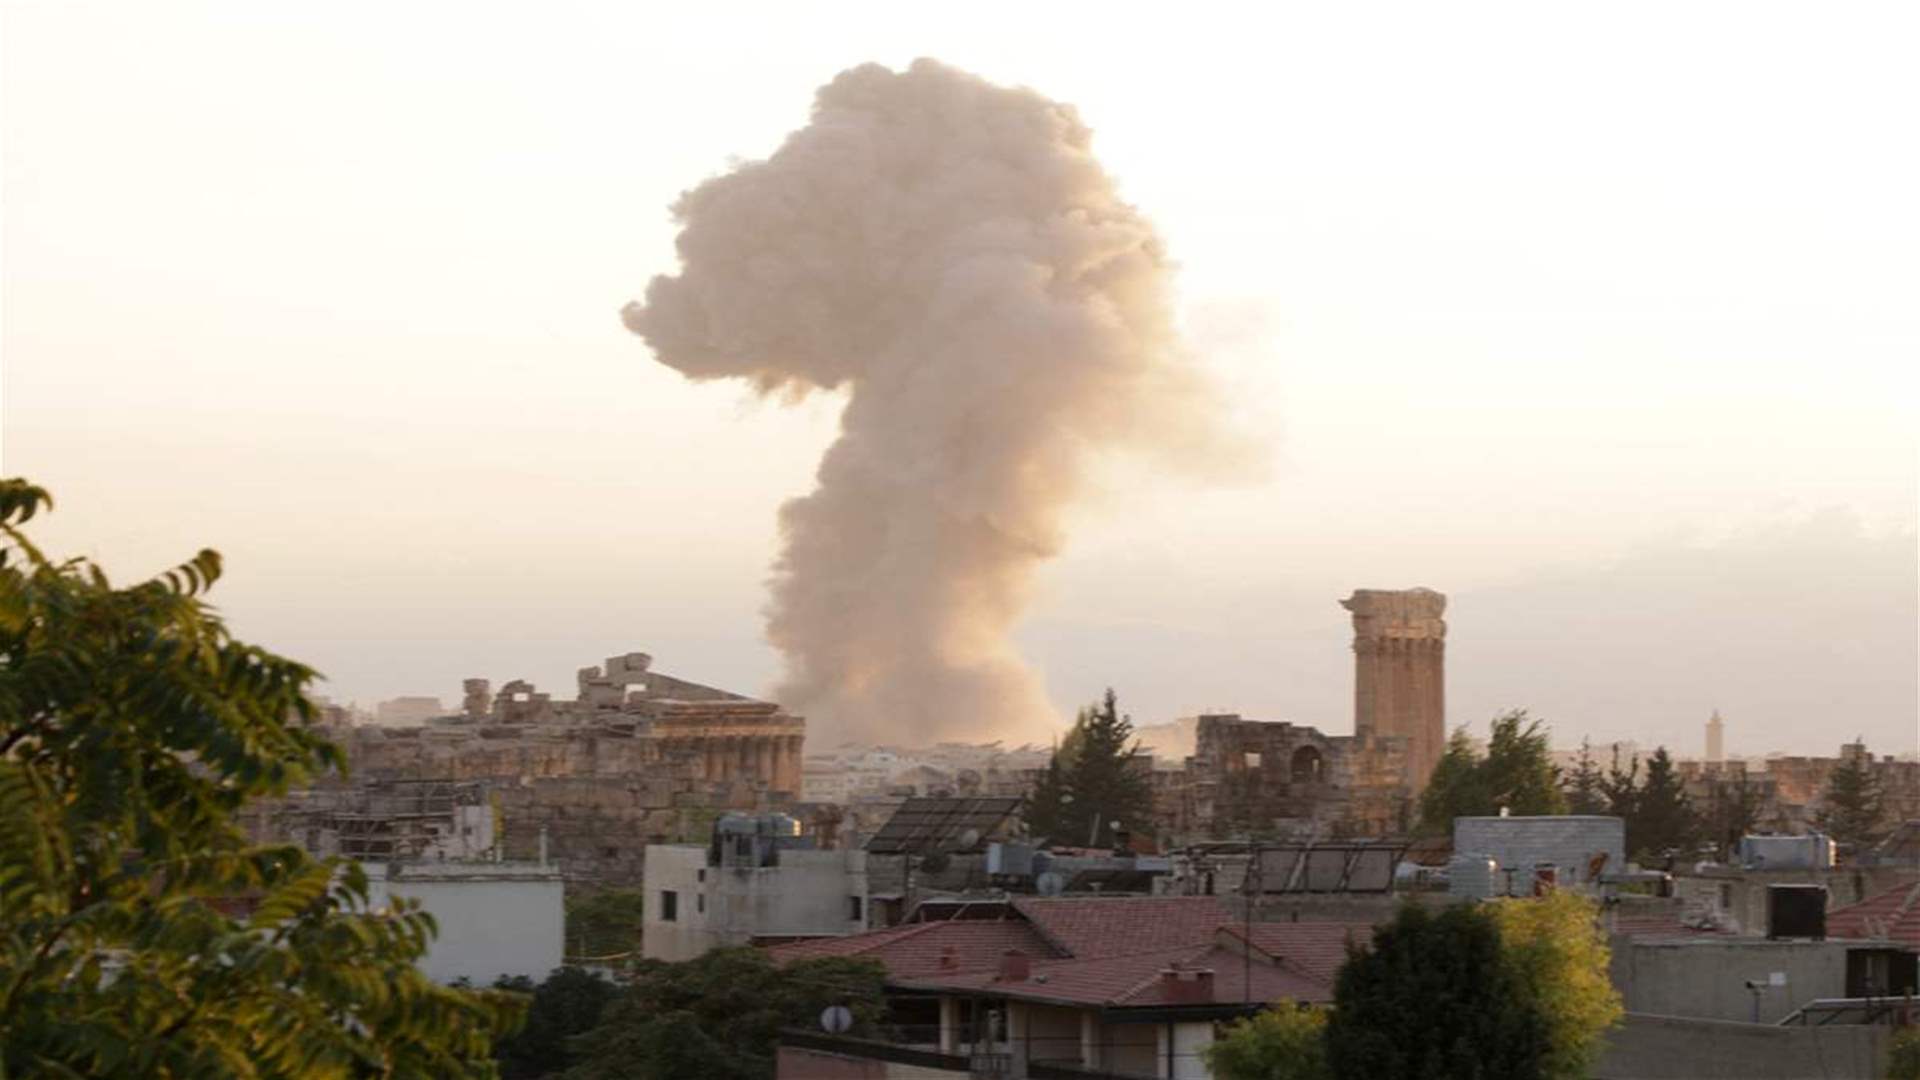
point(700, 874)
point(700, 903)
point(1726, 897)
point(669, 905)
point(855, 908)
point(1251, 759)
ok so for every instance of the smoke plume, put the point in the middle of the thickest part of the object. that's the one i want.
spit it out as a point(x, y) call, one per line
point(952, 254)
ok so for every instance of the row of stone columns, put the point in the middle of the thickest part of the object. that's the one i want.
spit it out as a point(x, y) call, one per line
point(772, 759)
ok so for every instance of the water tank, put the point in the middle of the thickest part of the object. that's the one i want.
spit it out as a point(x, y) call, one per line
point(1474, 876)
point(1797, 911)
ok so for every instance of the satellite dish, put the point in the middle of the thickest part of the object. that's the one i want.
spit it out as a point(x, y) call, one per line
point(1050, 884)
point(967, 839)
point(836, 1019)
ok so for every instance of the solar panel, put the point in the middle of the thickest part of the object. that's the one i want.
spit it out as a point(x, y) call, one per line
point(925, 825)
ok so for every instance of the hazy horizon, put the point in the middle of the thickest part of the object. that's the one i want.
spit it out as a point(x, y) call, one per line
point(1618, 356)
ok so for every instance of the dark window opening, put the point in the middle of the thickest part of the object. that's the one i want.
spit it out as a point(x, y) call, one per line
point(669, 905)
point(856, 908)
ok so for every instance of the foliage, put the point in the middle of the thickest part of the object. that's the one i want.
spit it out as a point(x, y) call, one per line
point(1583, 786)
point(1437, 997)
point(1660, 817)
point(1516, 774)
point(1854, 803)
point(604, 924)
point(1284, 1042)
point(717, 1017)
point(568, 1003)
point(132, 728)
point(1733, 811)
point(1903, 1057)
point(1092, 778)
point(1559, 955)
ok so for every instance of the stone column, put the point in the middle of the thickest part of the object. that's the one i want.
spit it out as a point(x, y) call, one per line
point(1399, 677)
point(796, 769)
point(763, 761)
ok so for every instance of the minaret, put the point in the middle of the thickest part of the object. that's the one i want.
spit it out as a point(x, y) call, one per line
point(1399, 676)
point(1715, 732)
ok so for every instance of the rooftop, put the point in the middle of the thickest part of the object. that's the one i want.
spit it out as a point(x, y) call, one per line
point(1893, 915)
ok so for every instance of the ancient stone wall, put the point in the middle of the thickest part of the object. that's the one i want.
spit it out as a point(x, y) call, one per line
point(1281, 780)
point(637, 757)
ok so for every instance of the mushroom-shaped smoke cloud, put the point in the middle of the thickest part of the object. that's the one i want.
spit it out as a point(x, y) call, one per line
point(951, 252)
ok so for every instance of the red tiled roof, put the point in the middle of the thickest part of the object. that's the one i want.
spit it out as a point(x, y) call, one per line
point(1106, 926)
point(919, 948)
point(1893, 915)
point(1138, 981)
point(1314, 949)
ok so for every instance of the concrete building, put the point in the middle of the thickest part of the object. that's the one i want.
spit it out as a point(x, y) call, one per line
point(1755, 980)
point(495, 918)
point(1716, 738)
point(1571, 850)
point(756, 884)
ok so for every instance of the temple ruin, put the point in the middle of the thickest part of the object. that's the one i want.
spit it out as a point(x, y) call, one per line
point(1399, 676)
point(636, 757)
point(1252, 778)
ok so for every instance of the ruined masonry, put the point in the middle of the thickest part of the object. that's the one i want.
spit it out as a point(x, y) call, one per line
point(637, 757)
point(1399, 683)
point(1251, 778)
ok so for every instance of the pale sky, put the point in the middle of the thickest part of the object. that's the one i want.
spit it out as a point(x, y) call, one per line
point(1603, 320)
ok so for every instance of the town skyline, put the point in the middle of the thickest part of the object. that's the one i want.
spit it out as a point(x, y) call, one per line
point(383, 371)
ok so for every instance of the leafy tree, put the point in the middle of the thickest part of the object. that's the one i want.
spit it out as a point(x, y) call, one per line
point(1662, 819)
point(605, 923)
point(1437, 997)
point(132, 728)
point(1854, 803)
point(567, 1003)
point(1284, 1042)
point(1093, 777)
point(1583, 786)
point(1559, 955)
point(1516, 774)
point(717, 1017)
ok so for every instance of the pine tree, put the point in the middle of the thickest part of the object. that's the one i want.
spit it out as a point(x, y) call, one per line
point(1663, 821)
point(1047, 804)
point(1584, 785)
point(1621, 787)
point(1093, 780)
point(1854, 803)
point(1733, 810)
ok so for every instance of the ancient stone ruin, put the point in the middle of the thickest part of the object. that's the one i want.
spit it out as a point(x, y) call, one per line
point(1399, 676)
point(636, 757)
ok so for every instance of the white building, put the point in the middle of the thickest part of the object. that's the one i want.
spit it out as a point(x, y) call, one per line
point(748, 887)
point(495, 918)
